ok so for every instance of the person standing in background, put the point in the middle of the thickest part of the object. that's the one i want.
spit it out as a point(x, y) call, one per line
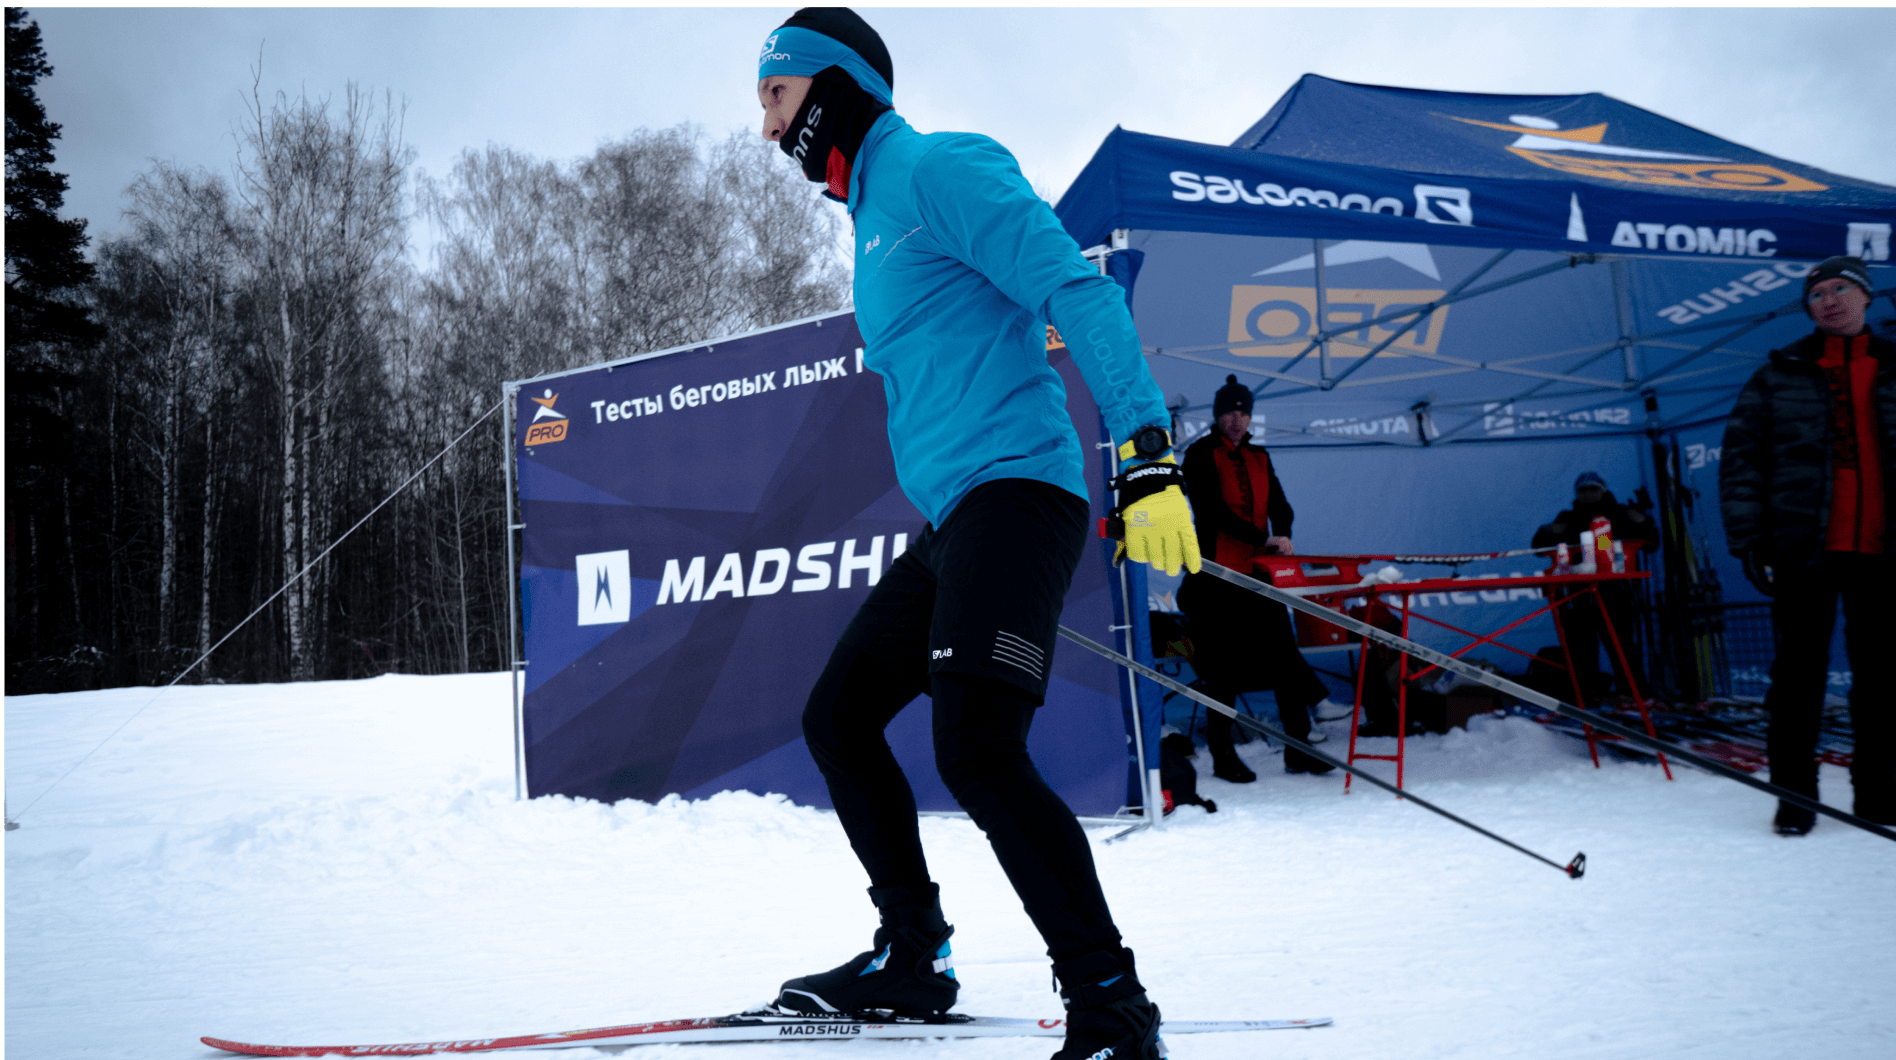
point(1243, 641)
point(1805, 486)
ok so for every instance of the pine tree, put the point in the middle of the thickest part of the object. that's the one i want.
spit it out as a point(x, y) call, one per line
point(45, 254)
point(49, 332)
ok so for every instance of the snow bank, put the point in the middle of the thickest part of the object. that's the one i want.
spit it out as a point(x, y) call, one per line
point(345, 862)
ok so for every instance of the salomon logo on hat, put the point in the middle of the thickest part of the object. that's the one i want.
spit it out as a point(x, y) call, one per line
point(817, 38)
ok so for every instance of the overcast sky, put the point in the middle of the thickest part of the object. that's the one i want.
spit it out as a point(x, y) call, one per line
point(136, 84)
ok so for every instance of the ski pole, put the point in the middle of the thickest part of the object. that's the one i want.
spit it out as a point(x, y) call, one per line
point(1574, 869)
point(1528, 695)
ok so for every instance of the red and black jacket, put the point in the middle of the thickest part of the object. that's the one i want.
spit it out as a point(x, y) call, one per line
point(1777, 475)
point(1237, 501)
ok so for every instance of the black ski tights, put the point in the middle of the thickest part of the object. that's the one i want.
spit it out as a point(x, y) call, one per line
point(980, 729)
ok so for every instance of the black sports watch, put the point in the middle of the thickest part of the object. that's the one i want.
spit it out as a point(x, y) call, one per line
point(1150, 442)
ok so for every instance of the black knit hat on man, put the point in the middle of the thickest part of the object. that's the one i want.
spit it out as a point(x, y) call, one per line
point(1231, 397)
point(1840, 267)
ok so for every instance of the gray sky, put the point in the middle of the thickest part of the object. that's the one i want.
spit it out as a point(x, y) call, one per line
point(136, 84)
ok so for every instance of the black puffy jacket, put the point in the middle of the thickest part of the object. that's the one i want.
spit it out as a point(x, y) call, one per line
point(1774, 469)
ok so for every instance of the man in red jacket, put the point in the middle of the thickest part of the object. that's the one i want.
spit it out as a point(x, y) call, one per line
point(1805, 484)
point(1242, 641)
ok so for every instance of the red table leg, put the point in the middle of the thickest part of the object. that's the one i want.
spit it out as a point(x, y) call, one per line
point(1573, 670)
point(1631, 681)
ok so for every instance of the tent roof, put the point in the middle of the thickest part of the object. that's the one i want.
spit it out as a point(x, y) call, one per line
point(1585, 173)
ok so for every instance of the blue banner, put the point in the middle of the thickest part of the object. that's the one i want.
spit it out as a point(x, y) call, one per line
point(699, 528)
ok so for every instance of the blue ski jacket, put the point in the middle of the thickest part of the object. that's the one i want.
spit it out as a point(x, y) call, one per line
point(959, 268)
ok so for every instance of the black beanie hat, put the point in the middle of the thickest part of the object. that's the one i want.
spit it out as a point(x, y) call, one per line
point(1231, 397)
point(1844, 266)
point(844, 26)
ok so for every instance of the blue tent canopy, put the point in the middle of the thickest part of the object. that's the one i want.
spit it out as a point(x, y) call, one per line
point(1449, 304)
point(1564, 173)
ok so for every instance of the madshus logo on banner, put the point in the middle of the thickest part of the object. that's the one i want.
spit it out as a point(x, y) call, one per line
point(1433, 203)
point(605, 578)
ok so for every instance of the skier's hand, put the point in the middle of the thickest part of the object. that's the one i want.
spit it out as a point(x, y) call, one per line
point(1153, 519)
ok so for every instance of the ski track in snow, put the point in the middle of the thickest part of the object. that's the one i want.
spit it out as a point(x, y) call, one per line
point(345, 863)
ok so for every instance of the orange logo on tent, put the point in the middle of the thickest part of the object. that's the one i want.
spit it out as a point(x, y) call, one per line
point(1281, 321)
point(1584, 152)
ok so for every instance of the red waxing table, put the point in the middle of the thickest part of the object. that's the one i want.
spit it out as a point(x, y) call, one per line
point(1337, 582)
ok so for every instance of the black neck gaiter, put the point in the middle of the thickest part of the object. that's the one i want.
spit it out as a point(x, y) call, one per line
point(829, 129)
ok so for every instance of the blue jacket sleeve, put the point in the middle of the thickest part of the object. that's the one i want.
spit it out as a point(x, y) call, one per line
point(1091, 315)
point(981, 210)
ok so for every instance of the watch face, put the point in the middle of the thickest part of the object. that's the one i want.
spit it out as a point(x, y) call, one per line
point(1151, 441)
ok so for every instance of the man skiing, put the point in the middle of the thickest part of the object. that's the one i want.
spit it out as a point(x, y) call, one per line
point(959, 267)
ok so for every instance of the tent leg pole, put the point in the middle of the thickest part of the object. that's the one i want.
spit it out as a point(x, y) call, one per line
point(1148, 774)
point(513, 602)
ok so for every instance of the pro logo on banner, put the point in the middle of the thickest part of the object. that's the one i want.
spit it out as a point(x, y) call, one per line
point(547, 426)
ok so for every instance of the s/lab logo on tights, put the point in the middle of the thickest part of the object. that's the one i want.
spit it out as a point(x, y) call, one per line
point(942, 653)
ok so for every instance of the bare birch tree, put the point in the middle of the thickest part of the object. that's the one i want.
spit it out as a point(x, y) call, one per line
point(186, 249)
point(323, 196)
point(273, 367)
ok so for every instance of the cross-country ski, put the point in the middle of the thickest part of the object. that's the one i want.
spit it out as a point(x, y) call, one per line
point(752, 1026)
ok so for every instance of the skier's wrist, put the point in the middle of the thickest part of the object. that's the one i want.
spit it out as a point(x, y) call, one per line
point(1147, 444)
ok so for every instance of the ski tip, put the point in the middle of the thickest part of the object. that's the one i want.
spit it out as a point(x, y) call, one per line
point(235, 1047)
point(249, 1049)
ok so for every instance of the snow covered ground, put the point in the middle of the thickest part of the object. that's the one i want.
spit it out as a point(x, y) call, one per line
point(345, 862)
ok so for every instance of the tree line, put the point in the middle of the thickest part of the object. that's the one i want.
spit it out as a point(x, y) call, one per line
point(196, 414)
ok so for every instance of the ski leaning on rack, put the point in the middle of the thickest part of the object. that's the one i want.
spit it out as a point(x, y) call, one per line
point(757, 1025)
point(1526, 695)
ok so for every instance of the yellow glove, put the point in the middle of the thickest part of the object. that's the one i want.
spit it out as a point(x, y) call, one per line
point(1153, 521)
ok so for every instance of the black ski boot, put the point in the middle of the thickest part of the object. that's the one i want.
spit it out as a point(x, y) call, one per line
point(907, 973)
point(1793, 819)
point(1108, 1016)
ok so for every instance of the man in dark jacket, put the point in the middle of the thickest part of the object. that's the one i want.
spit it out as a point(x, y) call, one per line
point(1805, 483)
point(1242, 641)
point(1580, 620)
